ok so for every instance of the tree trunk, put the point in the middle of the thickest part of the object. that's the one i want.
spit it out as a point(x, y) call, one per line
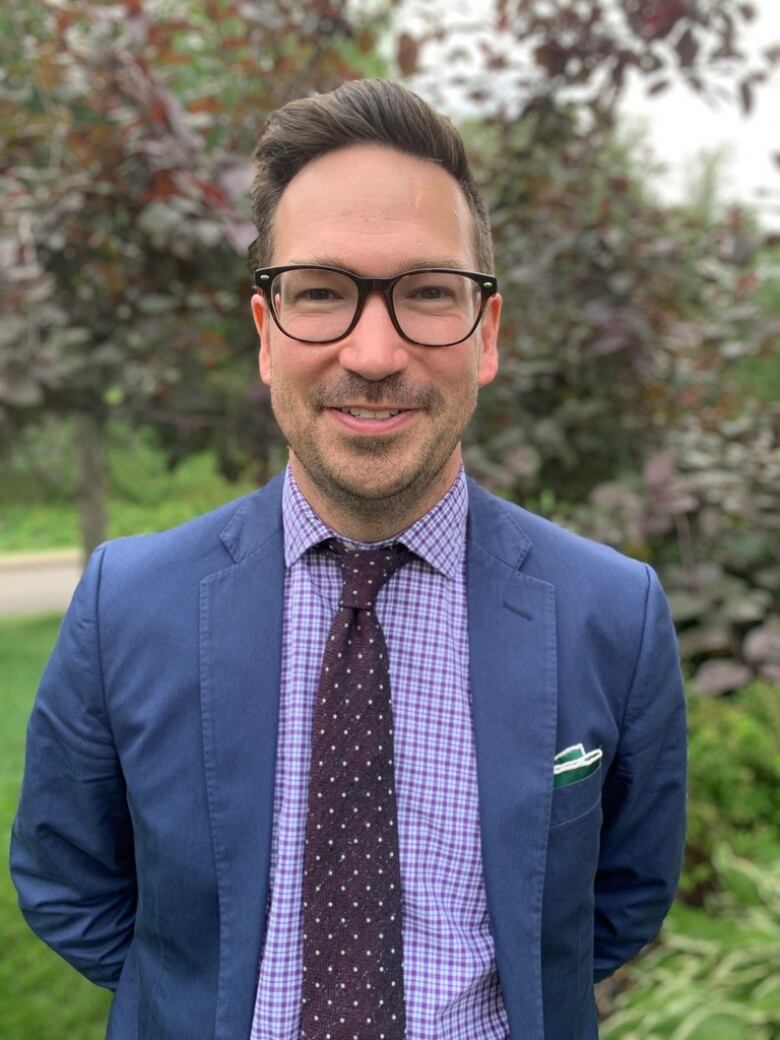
point(90, 479)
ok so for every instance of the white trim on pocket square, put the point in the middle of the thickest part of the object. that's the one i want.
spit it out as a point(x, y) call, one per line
point(584, 758)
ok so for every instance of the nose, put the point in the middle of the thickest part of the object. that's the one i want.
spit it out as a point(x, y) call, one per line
point(374, 350)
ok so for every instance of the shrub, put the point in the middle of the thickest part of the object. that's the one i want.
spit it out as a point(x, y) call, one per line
point(734, 782)
point(715, 974)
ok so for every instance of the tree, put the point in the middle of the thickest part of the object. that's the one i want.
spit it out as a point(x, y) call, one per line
point(125, 131)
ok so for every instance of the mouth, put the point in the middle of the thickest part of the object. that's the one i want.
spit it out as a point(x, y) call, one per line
point(372, 413)
point(360, 419)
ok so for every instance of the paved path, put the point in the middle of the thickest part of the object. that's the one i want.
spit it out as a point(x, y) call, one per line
point(31, 583)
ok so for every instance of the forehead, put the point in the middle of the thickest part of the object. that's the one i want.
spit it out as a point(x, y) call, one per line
point(375, 211)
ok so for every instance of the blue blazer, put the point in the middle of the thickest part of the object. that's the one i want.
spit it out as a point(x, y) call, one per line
point(141, 846)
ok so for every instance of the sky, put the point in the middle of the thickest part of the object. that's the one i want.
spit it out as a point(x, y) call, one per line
point(679, 126)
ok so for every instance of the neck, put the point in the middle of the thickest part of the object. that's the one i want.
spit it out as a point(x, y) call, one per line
point(375, 519)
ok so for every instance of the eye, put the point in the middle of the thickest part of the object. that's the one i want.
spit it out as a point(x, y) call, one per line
point(311, 289)
point(317, 294)
point(433, 291)
point(430, 292)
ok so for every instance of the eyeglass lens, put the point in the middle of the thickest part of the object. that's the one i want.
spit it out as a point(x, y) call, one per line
point(432, 308)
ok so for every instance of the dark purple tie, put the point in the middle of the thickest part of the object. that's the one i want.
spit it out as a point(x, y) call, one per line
point(352, 946)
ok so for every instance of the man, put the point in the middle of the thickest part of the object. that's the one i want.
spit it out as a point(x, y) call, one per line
point(491, 816)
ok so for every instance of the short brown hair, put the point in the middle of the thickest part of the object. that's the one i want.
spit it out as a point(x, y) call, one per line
point(367, 111)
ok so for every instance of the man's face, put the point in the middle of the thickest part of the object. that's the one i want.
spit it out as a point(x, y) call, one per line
point(375, 212)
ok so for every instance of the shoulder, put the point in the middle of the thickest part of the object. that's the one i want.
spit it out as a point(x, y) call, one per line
point(195, 549)
point(552, 553)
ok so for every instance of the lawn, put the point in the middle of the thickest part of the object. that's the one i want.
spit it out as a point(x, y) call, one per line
point(41, 997)
point(38, 511)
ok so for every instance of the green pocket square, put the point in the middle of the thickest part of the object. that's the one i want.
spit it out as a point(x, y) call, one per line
point(575, 763)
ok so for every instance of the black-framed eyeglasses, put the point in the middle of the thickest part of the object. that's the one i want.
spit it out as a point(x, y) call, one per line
point(430, 307)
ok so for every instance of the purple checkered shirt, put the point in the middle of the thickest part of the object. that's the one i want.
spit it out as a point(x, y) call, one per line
point(450, 979)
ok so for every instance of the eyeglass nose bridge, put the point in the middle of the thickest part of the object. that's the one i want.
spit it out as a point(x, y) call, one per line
point(384, 286)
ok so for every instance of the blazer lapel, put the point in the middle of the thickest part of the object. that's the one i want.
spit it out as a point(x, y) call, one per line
point(513, 678)
point(240, 646)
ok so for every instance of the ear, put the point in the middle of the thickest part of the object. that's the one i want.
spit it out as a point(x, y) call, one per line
point(263, 326)
point(488, 339)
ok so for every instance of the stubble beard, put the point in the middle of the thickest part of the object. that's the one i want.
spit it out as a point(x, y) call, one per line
point(346, 487)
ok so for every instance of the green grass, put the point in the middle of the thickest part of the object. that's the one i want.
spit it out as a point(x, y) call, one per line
point(35, 526)
point(41, 997)
point(143, 496)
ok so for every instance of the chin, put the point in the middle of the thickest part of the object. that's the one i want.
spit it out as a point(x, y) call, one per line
point(359, 487)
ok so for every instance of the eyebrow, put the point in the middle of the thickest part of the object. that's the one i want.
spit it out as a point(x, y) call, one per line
point(407, 263)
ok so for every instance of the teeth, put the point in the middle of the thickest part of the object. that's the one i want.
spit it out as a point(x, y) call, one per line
point(363, 413)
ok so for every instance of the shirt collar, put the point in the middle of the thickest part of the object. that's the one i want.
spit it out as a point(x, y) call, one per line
point(438, 537)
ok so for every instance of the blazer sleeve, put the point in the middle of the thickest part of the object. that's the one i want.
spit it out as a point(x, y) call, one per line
point(643, 800)
point(71, 845)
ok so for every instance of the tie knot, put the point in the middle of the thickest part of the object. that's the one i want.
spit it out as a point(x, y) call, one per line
point(366, 570)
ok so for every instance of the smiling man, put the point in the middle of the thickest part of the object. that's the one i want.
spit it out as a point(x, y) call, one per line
point(372, 416)
point(368, 754)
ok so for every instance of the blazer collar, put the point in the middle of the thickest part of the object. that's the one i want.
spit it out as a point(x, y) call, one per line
point(258, 518)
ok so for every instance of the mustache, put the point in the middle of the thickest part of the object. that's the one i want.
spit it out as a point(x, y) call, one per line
point(393, 391)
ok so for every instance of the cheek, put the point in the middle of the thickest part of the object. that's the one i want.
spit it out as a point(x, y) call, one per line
point(277, 360)
point(292, 374)
point(459, 374)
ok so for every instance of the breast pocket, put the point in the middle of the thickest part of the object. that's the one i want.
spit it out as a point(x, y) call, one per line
point(575, 800)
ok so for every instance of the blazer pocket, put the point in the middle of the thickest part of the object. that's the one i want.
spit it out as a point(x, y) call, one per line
point(575, 800)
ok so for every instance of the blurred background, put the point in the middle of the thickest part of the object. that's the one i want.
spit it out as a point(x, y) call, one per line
point(629, 151)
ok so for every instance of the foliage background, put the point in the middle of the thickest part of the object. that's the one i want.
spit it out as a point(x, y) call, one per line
point(633, 401)
point(637, 402)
